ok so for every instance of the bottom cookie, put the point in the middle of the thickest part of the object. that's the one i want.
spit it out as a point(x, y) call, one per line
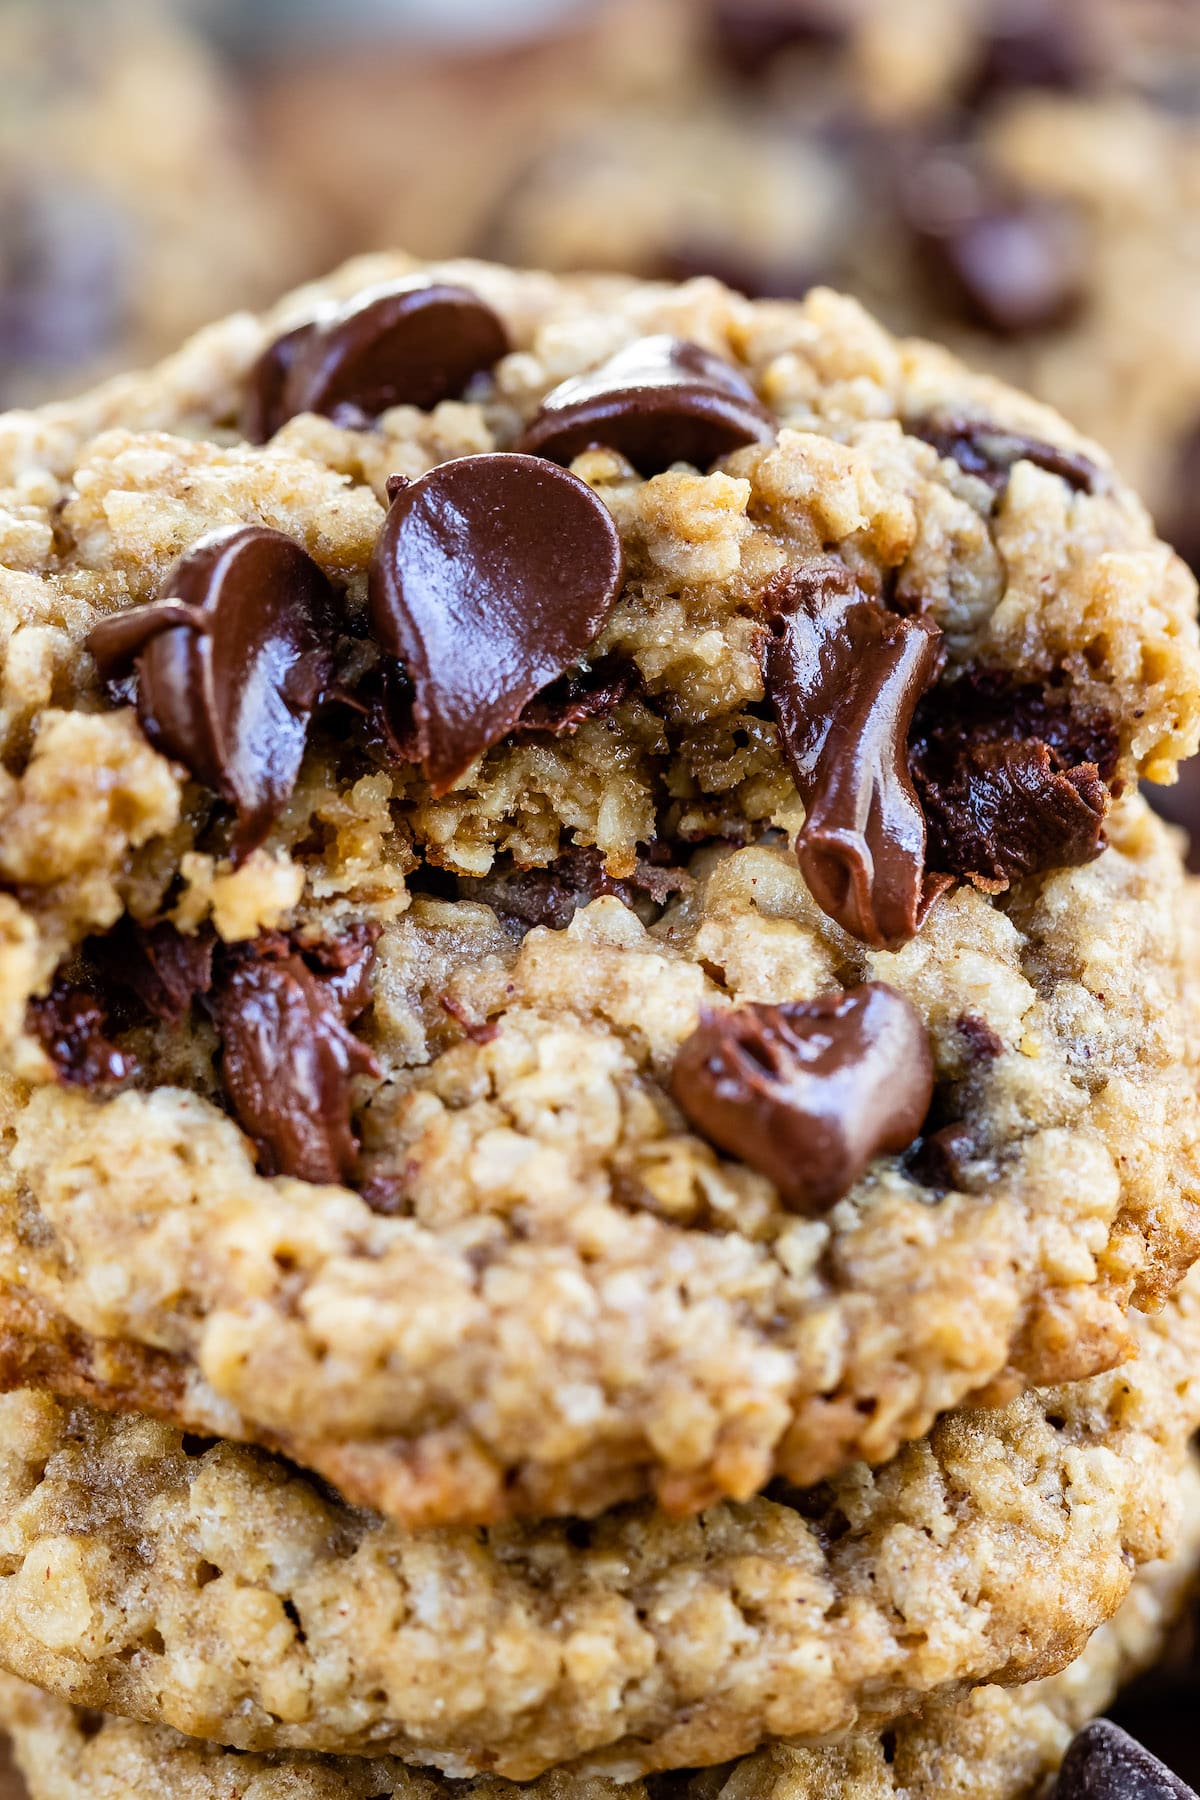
point(992, 1744)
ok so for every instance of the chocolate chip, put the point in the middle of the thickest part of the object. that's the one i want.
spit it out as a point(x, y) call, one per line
point(659, 401)
point(288, 1055)
point(1181, 806)
point(581, 694)
point(1012, 780)
point(1105, 1763)
point(749, 36)
point(412, 343)
point(551, 896)
point(844, 676)
point(1006, 259)
point(64, 262)
point(1032, 44)
point(72, 1027)
point(167, 969)
point(266, 408)
point(939, 1160)
point(231, 660)
point(490, 578)
point(809, 1092)
point(984, 1043)
point(989, 451)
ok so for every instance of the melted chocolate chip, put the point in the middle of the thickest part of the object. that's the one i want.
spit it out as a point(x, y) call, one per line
point(592, 693)
point(809, 1092)
point(1010, 261)
point(1012, 780)
point(983, 1042)
point(551, 896)
point(989, 451)
point(1105, 1763)
point(844, 676)
point(231, 660)
point(939, 1160)
point(72, 1027)
point(165, 968)
point(749, 36)
point(659, 401)
point(490, 578)
point(412, 343)
point(288, 1054)
point(1032, 44)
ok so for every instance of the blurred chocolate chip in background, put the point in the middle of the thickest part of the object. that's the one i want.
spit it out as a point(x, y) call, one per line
point(63, 264)
point(1181, 805)
point(1008, 260)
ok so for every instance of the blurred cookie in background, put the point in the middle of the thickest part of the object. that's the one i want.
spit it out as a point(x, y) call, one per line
point(132, 205)
point(1017, 177)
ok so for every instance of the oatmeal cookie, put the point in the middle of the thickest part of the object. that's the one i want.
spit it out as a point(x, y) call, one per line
point(695, 990)
point(211, 1587)
point(993, 1743)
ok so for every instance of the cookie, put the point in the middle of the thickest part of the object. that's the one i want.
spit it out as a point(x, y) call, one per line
point(466, 895)
point(131, 207)
point(135, 1556)
point(986, 174)
point(995, 1743)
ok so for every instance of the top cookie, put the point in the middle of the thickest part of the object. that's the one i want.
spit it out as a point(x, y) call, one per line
point(644, 898)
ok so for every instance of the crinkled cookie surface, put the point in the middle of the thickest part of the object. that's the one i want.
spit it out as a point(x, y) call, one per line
point(213, 1588)
point(538, 1286)
point(993, 1744)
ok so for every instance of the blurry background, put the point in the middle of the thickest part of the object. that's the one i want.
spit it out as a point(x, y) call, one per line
point(1020, 178)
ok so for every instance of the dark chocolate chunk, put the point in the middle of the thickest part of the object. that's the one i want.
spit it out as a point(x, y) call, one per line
point(71, 1025)
point(1011, 261)
point(659, 401)
point(984, 1043)
point(490, 578)
point(989, 451)
point(265, 408)
point(1033, 44)
point(1105, 1763)
point(844, 676)
point(165, 968)
point(939, 1159)
point(551, 896)
point(749, 36)
point(809, 1092)
point(1012, 780)
point(412, 343)
point(1181, 806)
point(288, 1054)
point(1009, 812)
point(591, 693)
point(231, 660)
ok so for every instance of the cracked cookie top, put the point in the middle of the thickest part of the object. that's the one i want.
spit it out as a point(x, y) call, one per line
point(573, 912)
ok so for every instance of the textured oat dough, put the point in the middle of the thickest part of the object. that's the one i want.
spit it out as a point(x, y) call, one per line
point(991, 1744)
point(131, 207)
point(801, 185)
point(581, 1302)
point(215, 1589)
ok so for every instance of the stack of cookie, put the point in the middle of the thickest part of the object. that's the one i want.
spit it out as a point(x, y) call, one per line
point(599, 1060)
